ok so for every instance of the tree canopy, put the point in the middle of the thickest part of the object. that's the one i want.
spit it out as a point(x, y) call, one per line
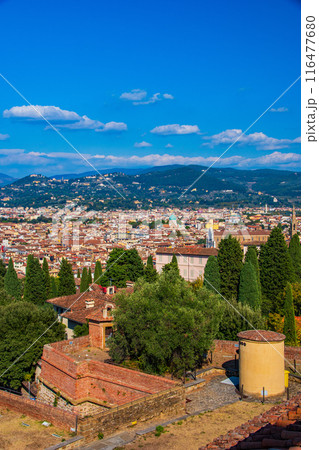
point(150, 273)
point(275, 268)
point(97, 271)
point(122, 265)
point(249, 292)
point(211, 274)
point(12, 285)
point(84, 280)
point(21, 324)
point(34, 284)
point(289, 321)
point(165, 325)
point(295, 255)
point(230, 260)
point(66, 279)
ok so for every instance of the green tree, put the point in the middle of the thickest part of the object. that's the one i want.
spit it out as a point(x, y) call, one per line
point(172, 267)
point(53, 289)
point(295, 255)
point(275, 269)
point(81, 330)
point(211, 274)
point(230, 260)
point(122, 265)
point(47, 278)
point(34, 283)
point(24, 329)
point(89, 277)
point(78, 275)
point(12, 284)
point(150, 273)
point(84, 280)
point(97, 271)
point(249, 292)
point(238, 317)
point(66, 279)
point(289, 321)
point(3, 269)
point(252, 256)
point(165, 325)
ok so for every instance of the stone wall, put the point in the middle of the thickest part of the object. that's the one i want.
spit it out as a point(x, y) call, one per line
point(37, 410)
point(171, 401)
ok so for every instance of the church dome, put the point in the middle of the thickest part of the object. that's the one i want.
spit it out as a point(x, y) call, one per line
point(173, 217)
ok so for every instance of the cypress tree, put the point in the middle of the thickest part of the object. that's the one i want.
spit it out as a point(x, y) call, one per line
point(66, 279)
point(289, 321)
point(230, 261)
point(3, 269)
point(150, 273)
point(47, 278)
point(12, 284)
point(252, 257)
point(53, 290)
point(295, 254)
point(34, 284)
point(78, 274)
point(172, 267)
point(97, 271)
point(275, 268)
point(211, 274)
point(249, 293)
point(89, 277)
point(84, 280)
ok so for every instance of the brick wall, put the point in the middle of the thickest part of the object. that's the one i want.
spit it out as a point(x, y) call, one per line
point(105, 384)
point(228, 348)
point(40, 411)
point(96, 335)
point(169, 402)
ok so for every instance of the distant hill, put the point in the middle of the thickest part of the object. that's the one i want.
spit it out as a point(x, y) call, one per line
point(6, 179)
point(158, 186)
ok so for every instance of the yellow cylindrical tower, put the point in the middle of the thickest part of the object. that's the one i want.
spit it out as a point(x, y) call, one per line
point(261, 363)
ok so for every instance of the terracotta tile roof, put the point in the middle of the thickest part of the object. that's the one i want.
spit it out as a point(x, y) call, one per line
point(280, 427)
point(189, 250)
point(261, 335)
point(77, 301)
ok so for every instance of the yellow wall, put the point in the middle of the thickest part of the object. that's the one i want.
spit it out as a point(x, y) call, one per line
point(261, 364)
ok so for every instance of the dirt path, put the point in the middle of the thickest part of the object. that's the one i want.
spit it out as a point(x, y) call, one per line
point(16, 436)
point(197, 431)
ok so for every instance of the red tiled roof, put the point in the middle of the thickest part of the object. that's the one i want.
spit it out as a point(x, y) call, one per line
point(189, 250)
point(280, 427)
point(261, 335)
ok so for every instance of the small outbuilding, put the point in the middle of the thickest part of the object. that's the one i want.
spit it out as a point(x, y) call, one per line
point(261, 363)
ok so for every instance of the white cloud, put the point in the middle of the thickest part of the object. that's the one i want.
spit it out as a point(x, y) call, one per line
point(37, 111)
point(166, 130)
point(155, 98)
point(134, 95)
point(3, 137)
point(55, 114)
point(281, 109)
point(64, 159)
point(142, 144)
point(138, 97)
point(260, 140)
point(168, 146)
point(113, 126)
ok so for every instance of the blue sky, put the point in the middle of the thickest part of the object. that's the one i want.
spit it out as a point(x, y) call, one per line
point(143, 83)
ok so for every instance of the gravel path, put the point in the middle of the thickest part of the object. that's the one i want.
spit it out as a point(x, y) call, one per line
point(214, 395)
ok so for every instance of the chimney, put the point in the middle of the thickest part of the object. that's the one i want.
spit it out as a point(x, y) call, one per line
point(89, 303)
point(104, 312)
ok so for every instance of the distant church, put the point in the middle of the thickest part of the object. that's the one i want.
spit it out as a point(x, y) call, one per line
point(293, 228)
